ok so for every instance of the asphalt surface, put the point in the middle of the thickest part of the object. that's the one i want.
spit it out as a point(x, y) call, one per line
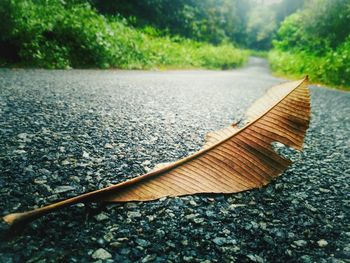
point(67, 132)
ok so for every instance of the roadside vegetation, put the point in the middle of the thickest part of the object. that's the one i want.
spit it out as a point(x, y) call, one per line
point(298, 37)
point(315, 41)
point(58, 34)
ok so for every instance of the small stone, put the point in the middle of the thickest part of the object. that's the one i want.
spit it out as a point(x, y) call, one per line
point(65, 162)
point(322, 243)
point(150, 218)
point(40, 181)
point(234, 206)
point(220, 241)
point(29, 168)
point(101, 254)
point(108, 146)
point(86, 155)
point(101, 241)
point(263, 225)
point(116, 244)
point(75, 179)
point(268, 240)
point(19, 151)
point(323, 190)
point(306, 259)
point(160, 232)
point(311, 208)
point(226, 231)
point(149, 258)
point(125, 251)
point(193, 203)
point(255, 258)
point(44, 172)
point(191, 216)
point(188, 259)
point(121, 239)
point(131, 205)
point(22, 136)
point(108, 237)
point(171, 244)
point(16, 206)
point(146, 163)
point(295, 202)
point(210, 214)
point(101, 217)
point(142, 242)
point(135, 214)
point(63, 189)
point(279, 186)
point(184, 242)
point(300, 243)
point(198, 220)
point(236, 248)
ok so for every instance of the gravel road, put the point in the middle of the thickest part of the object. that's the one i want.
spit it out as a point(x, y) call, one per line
point(68, 132)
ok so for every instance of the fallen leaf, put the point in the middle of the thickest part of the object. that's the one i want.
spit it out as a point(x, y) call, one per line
point(232, 160)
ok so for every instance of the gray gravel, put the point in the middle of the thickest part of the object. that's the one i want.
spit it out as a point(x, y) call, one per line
point(68, 132)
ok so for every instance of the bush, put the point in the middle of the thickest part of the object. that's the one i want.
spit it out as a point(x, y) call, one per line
point(63, 34)
point(315, 41)
point(333, 68)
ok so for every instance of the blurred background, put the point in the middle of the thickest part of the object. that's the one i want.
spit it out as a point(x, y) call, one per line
point(297, 36)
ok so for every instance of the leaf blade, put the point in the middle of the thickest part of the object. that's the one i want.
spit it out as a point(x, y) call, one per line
point(235, 160)
point(281, 115)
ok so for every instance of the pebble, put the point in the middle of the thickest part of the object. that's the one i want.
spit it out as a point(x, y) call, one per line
point(65, 162)
point(146, 163)
point(63, 188)
point(198, 220)
point(142, 242)
point(134, 214)
point(22, 136)
point(149, 258)
point(193, 203)
point(108, 146)
point(305, 203)
point(125, 251)
point(101, 254)
point(101, 217)
point(220, 241)
point(116, 244)
point(300, 243)
point(40, 181)
point(191, 216)
point(255, 258)
point(19, 152)
point(322, 243)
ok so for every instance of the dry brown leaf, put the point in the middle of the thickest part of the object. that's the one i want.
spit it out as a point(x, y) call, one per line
point(232, 160)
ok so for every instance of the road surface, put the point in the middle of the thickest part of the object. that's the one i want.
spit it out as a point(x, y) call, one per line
point(68, 132)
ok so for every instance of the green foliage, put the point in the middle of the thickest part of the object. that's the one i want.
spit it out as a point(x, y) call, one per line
point(315, 41)
point(261, 27)
point(63, 34)
point(259, 53)
point(248, 23)
point(212, 21)
point(264, 20)
point(319, 28)
point(332, 68)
